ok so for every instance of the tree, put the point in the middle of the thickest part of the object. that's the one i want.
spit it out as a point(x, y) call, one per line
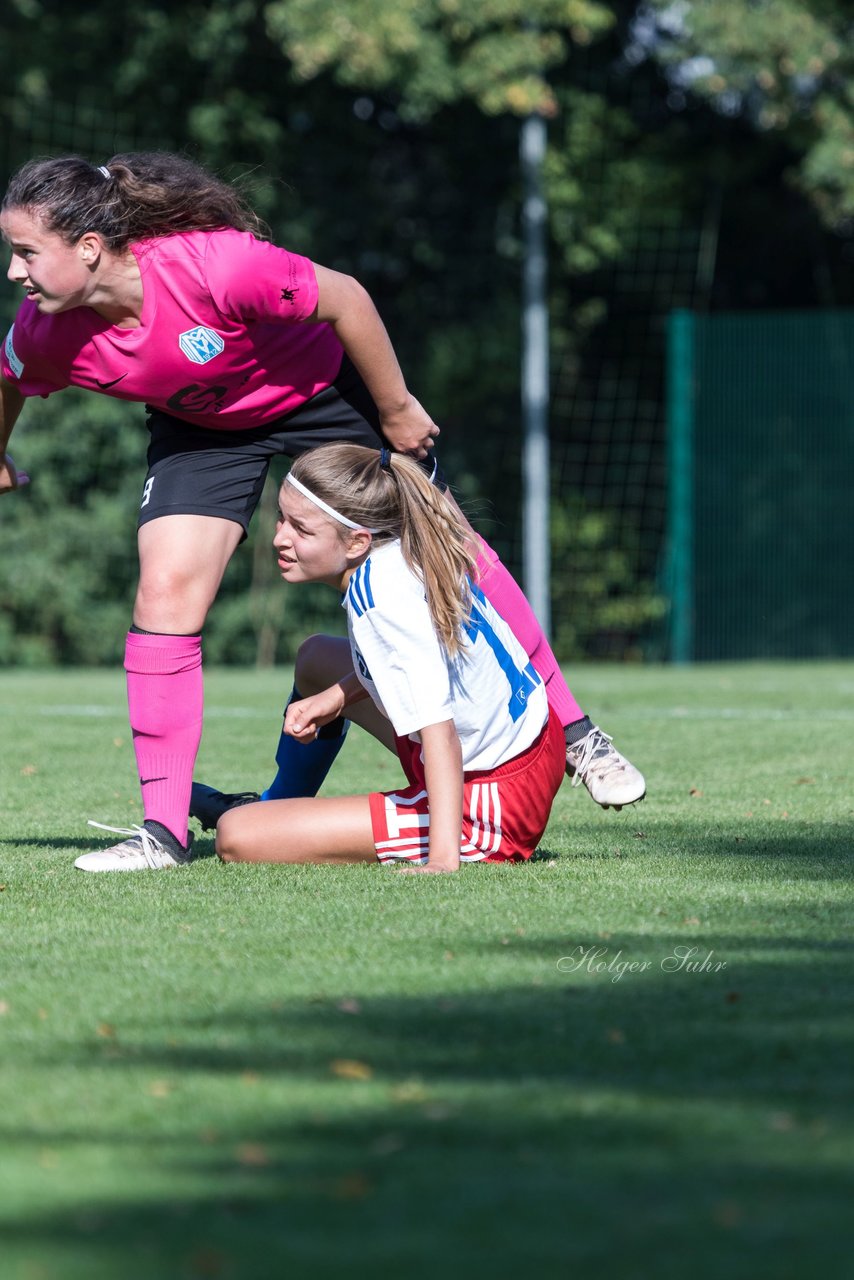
point(786, 66)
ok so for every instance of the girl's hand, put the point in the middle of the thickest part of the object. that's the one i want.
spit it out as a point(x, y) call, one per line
point(409, 429)
point(10, 477)
point(305, 718)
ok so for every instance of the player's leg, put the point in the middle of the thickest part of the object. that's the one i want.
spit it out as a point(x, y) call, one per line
point(303, 766)
point(591, 757)
point(198, 498)
point(334, 829)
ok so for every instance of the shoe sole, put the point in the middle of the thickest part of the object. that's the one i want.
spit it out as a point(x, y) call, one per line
point(626, 804)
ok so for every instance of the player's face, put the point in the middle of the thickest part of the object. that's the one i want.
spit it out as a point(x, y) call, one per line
point(54, 274)
point(309, 545)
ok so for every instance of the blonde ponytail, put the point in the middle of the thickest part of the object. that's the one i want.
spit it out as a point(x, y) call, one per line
point(399, 501)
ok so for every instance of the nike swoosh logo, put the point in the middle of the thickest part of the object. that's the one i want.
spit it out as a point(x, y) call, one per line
point(143, 782)
point(105, 386)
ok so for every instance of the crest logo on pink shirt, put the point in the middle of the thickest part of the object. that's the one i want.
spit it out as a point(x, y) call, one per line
point(200, 344)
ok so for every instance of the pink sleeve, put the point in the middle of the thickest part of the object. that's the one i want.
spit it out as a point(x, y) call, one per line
point(250, 279)
point(22, 363)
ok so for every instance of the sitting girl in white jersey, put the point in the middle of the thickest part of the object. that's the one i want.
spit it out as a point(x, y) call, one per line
point(430, 669)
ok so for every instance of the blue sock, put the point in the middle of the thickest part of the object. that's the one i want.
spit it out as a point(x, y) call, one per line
point(304, 765)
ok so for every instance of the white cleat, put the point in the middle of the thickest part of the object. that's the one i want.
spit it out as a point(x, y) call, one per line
point(142, 851)
point(611, 779)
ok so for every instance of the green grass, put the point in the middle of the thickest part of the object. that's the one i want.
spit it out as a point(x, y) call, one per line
point(257, 1072)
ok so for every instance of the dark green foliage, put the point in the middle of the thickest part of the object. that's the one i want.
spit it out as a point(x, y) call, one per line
point(381, 138)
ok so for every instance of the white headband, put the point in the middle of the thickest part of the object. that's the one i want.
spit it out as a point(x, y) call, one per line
point(324, 506)
point(102, 168)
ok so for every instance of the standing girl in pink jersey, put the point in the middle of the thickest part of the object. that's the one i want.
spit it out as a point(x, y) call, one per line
point(448, 686)
point(147, 279)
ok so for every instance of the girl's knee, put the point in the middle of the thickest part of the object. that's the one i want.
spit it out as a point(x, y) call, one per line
point(320, 660)
point(229, 846)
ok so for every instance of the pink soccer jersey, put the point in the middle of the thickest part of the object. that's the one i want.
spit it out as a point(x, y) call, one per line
point(221, 341)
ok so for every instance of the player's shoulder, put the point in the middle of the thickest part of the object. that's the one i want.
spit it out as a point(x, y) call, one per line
point(32, 331)
point(384, 581)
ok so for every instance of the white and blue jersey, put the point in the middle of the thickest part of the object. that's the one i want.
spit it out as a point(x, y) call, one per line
point(490, 690)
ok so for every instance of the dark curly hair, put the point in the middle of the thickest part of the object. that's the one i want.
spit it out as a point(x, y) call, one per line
point(143, 194)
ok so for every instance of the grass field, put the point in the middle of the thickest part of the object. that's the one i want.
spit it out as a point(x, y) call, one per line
point(631, 1058)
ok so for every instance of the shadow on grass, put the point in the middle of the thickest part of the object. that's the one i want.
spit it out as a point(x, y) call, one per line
point(670, 1116)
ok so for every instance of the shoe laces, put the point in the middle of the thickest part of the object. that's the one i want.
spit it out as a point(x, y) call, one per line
point(595, 745)
point(152, 849)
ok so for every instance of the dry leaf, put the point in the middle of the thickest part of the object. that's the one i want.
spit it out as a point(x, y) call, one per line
point(695, 791)
point(252, 1155)
point(350, 1069)
point(159, 1089)
point(690, 920)
point(727, 1214)
point(804, 782)
point(4, 1007)
point(353, 1186)
point(409, 1091)
point(28, 770)
point(105, 1030)
point(349, 1006)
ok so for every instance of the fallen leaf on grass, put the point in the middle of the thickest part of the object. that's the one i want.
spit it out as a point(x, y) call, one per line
point(4, 1007)
point(105, 1031)
point(409, 1091)
point(350, 1069)
point(804, 782)
point(727, 1214)
point(252, 1155)
point(159, 1089)
point(208, 1262)
point(690, 920)
point(349, 1006)
point(352, 1186)
point(28, 770)
point(695, 791)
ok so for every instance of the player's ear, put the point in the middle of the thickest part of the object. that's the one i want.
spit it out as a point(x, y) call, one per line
point(90, 247)
point(359, 545)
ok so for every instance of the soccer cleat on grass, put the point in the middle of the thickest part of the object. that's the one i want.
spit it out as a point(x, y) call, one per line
point(208, 805)
point(610, 778)
point(147, 848)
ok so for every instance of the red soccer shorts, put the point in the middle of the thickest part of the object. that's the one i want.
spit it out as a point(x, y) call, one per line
point(505, 810)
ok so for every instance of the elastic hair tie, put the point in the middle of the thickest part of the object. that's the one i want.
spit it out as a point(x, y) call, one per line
point(102, 168)
point(385, 459)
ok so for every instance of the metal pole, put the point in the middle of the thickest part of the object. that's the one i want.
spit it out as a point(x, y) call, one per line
point(535, 375)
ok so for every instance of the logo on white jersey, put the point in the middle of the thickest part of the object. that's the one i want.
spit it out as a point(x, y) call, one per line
point(16, 365)
point(200, 344)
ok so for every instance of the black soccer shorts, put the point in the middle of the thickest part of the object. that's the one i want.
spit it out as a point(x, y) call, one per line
point(197, 471)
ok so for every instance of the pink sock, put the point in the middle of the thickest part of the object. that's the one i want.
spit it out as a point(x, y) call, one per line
point(506, 597)
point(165, 700)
